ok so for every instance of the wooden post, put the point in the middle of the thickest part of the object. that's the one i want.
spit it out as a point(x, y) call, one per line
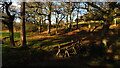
point(74, 50)
point(58, 50)
point(66, 52)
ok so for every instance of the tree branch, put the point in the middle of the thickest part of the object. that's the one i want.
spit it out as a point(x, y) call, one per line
point(95, 6)
point(42, 14)
point(7, 7)
point(61, 19)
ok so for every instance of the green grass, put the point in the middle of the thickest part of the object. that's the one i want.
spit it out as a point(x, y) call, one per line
point(34, 56)
point(6, 34)
point(16, 34)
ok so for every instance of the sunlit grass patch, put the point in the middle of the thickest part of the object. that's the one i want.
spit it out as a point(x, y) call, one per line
point(16, 34)
point(116, 57)
point(17, 39)
point(6, 34)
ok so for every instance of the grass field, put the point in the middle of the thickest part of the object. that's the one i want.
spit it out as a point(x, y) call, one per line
point(42, 50)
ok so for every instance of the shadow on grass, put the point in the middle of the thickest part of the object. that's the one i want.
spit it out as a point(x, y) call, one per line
point(88, 56)
point(36, 58)
point(21, 57)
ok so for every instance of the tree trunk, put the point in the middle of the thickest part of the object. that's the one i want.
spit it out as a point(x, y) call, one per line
point(57, 23)
point(77, 21)
point(11, 34)
point(40, 26)
point(49, 24)
point(23, 33)
point(70, 23)
point(56, 28)
point(3, 8)
point(67, 21)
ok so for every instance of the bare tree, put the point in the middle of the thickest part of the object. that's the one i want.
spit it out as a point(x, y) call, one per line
point(9, 22)
point(59, 14)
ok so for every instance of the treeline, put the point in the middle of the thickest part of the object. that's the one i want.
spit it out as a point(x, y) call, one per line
point(40, 15)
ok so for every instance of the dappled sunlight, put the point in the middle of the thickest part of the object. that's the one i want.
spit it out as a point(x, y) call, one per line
point(39, 37)
point(52, 30)
point(117, 57)
point(75, 34)
point(115, 26)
